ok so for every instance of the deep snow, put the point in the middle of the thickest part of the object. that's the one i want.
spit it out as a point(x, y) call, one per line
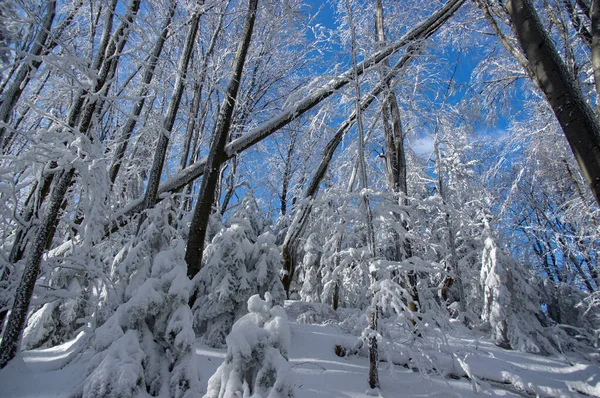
point(319, 372)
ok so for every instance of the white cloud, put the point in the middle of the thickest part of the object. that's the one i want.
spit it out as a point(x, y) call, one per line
point(422, 146)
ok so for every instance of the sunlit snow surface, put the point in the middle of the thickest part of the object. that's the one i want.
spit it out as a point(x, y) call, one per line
point(318, 372)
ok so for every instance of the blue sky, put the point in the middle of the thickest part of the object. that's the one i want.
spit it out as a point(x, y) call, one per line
point(465, 63)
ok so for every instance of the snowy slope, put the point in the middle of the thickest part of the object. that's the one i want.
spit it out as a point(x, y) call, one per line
point(319, 372)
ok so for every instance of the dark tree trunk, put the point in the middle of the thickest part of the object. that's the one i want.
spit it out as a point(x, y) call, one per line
point(125, 135)
point(44, 232)
point(23, 76)
point(217, 155)
point(169, 121)
point(20, 307)
point(575, 116)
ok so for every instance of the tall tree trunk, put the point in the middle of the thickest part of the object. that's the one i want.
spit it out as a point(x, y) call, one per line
point(575, 116)
point(257, 134)
point(395, 157)
point(362, 172)
point(169, 121)
point(123, 140)
point(20, 307)
point(217, 155)
point(23, 76)
point(44, 232)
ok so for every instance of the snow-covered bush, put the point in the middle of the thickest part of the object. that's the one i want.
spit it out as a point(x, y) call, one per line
point(310, 312)
point(158, 319)
point(311, 285)
point(68, 281)
point(150, 335)
point(58, 320)
point(512, 306)
point(256, 364)
point(237, 265)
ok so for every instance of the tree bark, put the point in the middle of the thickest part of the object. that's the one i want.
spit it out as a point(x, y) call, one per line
point(23, 76)
point(217, 154)
point(44, 232)
point(131, 122)
point(575, 116)
point(595, 47)
point(362, 172)
point(174, 102)
point(20, 307)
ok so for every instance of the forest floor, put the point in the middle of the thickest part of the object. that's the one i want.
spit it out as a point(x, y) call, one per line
point(473, 367)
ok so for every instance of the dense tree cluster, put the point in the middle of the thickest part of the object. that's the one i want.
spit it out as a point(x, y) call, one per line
point(163, 162)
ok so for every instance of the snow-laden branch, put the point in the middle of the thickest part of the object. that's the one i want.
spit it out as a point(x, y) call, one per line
point(195, 170)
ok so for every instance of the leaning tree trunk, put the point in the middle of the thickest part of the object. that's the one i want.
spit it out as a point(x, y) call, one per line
point(13, 93)
point(127, 129)
point(82, 112)
point(302, 215)
point(575, 116)
point(217, 155)
point(257, 134)
point(169, 121)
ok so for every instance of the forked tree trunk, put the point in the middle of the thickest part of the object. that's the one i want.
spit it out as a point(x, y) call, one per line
point(217, 154)
point(395, 157)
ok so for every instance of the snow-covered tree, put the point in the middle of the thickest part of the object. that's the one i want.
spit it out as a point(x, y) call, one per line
point(256, 364)
point(512, 306)
point(237, 265)
point(147, 343)
point(311, 285)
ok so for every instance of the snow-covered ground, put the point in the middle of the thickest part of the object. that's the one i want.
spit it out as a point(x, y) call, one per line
point(473, 367)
